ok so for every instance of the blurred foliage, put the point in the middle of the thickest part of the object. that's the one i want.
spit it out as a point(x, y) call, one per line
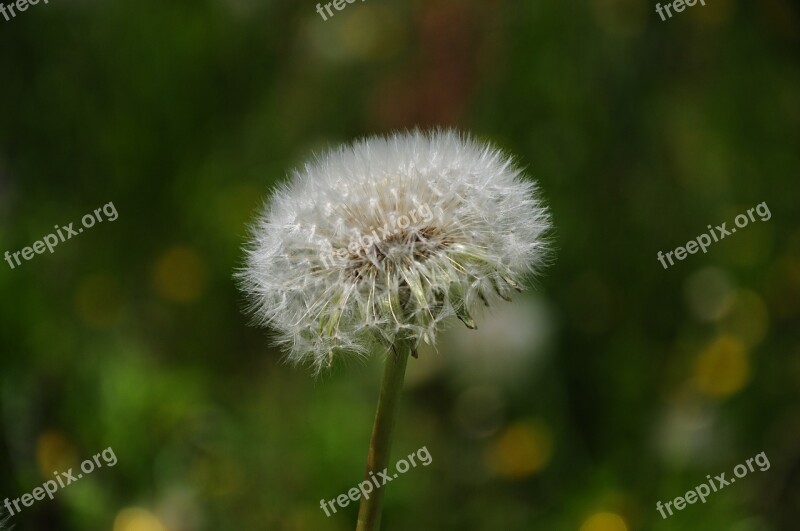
point(614, 385)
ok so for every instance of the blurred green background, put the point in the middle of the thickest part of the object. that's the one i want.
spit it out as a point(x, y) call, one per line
point(612, 385)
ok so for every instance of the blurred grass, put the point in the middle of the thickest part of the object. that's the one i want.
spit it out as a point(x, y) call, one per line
point(616, 385)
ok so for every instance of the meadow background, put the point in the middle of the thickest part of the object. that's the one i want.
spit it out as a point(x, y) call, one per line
point(612, 385)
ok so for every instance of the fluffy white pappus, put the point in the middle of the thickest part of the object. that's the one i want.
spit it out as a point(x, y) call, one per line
point(383, 240)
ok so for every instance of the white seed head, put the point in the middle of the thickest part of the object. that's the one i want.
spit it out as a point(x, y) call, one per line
point(383, 240)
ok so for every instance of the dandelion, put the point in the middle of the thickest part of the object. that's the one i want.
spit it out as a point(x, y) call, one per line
point(449, 226)
point(374, 246)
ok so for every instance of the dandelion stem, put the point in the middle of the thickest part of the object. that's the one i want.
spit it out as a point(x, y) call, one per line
point(369, 513)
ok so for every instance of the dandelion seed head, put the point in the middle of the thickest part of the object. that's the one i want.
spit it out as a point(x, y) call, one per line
point(387, 238)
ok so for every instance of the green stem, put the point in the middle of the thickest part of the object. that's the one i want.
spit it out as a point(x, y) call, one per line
point(369, 513)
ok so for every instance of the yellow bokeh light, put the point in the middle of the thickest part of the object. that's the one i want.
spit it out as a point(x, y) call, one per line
point(521, 450)
point(136, 519)
point(180, 275)
point(720, 12)
point(604, 522)
point(54, 452)
point(722, 368)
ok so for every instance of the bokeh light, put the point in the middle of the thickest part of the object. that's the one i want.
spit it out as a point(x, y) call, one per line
point(604, 522)
point(180, 275)
point(722, 368)
point(521, 450)
point(137, 519)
